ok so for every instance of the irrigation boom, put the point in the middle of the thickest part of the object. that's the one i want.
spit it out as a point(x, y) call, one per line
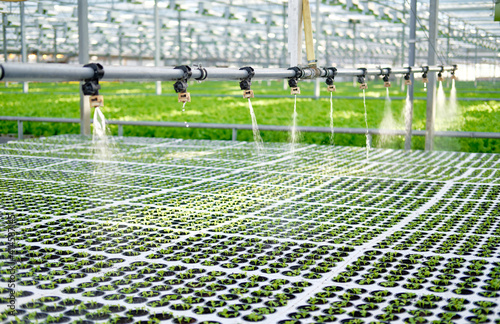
point(64, 72)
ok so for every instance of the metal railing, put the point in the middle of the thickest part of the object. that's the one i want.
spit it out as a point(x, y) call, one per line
point(236, 127)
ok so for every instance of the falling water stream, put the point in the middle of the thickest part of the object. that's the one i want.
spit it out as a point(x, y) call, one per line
point(294, 134)
point(183, 112)
point(368, 146)
point(259, 144)
point(332, 131)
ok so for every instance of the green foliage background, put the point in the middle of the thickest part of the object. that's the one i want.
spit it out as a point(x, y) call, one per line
point(213, 102)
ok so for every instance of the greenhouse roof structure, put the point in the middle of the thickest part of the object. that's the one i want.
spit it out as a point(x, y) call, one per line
point(235, 32)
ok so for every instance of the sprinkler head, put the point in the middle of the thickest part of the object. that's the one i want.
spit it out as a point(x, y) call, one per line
point(91, 88)
point(295, 90)
point(362, 83)
point(407, 79)
point(440, 77)
point(387, 84)
point(180, 86)
point(96, 101)
point(424, 78)
point(184, 97)
point(248, 94)
point(245, 84)
point(329, 83)
point(292, 83)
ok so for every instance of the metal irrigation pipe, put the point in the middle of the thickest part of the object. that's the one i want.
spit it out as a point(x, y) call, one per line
point(256, 96)
point(236, 127)
point(66, 72)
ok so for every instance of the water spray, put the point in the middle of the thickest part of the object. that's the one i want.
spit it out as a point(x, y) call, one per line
point(246, 83)
point(181, 85)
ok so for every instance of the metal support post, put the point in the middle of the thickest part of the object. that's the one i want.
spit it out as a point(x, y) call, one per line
point(495, 70)
point(316, 46)
point(83, 58)
point(448, 45)
point(431, 86)
point(235, 135)
point(284, 57)
point(353, 43)
point(353, 22)
point(55, 44)
point(157, 44)
point(295, 32)
point(179, 38)
point(475, 58)
point(403, 38)
point(120, 130)
point(120, 46)
point(411, 62)
point(20, 130)
point(268, 40)
point(4, 32)
point(24, 55)
point(39, 42)
point(141, 37)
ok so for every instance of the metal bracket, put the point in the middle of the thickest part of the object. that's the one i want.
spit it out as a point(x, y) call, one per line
point(204, 73)
point(246, 83)
point(91, 86)
point(298, 72)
